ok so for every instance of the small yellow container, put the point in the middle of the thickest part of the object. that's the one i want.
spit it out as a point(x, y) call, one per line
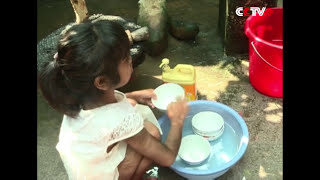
point(182, 74)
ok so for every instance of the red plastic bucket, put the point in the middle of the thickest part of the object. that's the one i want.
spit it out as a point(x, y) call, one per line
point(265, 36)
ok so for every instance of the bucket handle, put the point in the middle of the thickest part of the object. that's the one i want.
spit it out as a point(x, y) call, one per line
point(263, 58)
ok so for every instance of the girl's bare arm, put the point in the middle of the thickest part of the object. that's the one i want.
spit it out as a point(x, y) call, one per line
point(165, 153)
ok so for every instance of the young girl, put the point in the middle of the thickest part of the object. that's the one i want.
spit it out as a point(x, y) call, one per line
point(102, 135)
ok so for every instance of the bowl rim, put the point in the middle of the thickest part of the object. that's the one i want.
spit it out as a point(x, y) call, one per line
point(210, 137)
point(166, 84)
point(208, 134)
point(204, 140)
point(217, 130)
point(243, 143)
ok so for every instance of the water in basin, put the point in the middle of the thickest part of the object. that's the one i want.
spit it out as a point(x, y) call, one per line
point(223, 149)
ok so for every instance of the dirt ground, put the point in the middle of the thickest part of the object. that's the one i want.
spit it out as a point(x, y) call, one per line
point(219, 78)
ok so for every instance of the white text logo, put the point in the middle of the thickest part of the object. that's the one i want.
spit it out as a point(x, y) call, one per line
point(254, 11)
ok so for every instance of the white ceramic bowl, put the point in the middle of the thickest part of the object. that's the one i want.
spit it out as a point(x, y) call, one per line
point(167, 93)
point(208, 124)
point(194, 149)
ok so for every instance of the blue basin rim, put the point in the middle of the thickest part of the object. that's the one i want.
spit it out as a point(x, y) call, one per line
point(235, 159)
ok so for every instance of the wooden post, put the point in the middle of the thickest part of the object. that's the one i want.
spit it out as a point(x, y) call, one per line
point(80, 9)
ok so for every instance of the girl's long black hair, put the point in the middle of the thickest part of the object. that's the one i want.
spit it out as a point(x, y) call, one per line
point(85, 51)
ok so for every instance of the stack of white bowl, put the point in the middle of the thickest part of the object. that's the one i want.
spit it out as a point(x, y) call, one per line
point(208, 124)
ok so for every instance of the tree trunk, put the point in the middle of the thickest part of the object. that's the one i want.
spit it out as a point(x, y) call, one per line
point(152, 13)
point(80, 9)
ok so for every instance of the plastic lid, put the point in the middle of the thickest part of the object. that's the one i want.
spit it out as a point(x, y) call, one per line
point(207, 121)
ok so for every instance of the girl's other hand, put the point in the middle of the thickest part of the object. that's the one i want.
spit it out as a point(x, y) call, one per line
point(132, 102)
point(143, 96)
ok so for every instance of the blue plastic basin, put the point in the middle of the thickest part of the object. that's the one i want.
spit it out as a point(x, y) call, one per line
point(226, 151)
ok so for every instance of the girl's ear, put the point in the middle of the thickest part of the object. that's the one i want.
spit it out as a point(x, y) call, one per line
point(102, 83)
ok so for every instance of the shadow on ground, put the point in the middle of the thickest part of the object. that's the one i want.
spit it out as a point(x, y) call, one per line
point(263, 116)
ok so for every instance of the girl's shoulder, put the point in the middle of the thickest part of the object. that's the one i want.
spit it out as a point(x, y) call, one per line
point(121, 107)
point(116, 122)
point(112, 121)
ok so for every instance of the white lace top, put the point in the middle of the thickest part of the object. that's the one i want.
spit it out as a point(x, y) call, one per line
point(83, 141)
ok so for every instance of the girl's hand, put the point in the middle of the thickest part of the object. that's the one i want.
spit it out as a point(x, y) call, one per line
point(177, 112)
point(132, 102)
point(143, 96)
